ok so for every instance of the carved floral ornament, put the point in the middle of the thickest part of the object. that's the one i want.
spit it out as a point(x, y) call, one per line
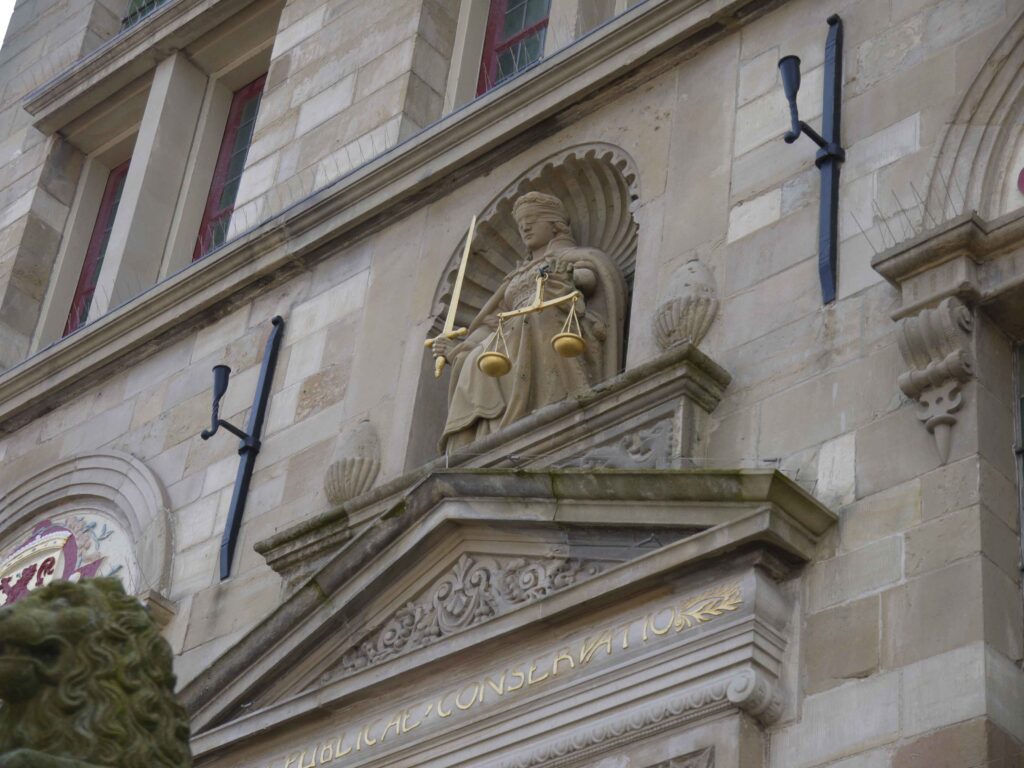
point(936, 345)
point(478, 588)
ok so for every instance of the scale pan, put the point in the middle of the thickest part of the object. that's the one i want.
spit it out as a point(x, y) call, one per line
point(494, 364)
point(569, 344)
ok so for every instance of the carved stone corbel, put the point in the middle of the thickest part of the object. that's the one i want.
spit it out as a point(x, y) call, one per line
point(936, 345)
point(757, 695)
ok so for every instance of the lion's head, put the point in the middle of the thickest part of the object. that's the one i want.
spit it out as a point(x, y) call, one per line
point(84, 674)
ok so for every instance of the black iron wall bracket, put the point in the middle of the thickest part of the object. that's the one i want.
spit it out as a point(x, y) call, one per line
point(250, 445)
point(830, 154)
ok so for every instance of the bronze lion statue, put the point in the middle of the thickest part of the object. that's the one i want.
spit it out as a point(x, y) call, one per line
point(86, 681)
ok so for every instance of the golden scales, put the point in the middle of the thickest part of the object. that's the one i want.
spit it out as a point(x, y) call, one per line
point(495, 360)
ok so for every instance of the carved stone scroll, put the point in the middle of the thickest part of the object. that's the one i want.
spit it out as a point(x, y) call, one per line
point(478, 588)
point(936, 345)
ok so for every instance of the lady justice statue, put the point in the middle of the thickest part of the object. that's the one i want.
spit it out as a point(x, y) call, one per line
point(479, 404)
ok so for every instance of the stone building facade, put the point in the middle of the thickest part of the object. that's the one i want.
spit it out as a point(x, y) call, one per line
point(786, 534)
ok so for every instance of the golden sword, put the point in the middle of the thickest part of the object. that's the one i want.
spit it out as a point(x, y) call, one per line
point(450, 331)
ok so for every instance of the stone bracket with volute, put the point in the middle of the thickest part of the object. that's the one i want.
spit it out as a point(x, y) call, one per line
point(936, 346)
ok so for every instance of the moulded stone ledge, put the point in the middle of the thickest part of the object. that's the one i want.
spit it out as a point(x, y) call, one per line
point(741, 517)
point(581, 76)
point(663, 402)
point(126, 57)
point(748, 549)
point(965, 258)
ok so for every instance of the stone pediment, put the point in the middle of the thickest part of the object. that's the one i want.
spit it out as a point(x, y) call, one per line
point(486, 598)
point(476, 589)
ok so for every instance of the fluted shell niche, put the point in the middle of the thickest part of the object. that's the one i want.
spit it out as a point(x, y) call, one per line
point(599, 186)
point(355, 464)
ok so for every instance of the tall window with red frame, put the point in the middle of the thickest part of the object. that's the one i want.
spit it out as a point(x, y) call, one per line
point(97, 248)
point(513, 41)
point(228, 172)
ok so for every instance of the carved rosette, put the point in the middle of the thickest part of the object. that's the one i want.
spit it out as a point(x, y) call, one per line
point(936, 346)
point(688, 314)
point(478, 588)
point(355, 464)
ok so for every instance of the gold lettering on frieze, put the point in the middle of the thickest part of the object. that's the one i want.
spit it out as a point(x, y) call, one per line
point(499, 687)
point(562, 655)
point(475, 688)
point(405, 720)
point(531, 680)
point(602, 643)
point(395, 722)
point(591, 644)
point(667, 627)
point(440, 704)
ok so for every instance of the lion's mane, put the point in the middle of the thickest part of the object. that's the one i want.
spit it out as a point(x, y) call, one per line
point(113, 702)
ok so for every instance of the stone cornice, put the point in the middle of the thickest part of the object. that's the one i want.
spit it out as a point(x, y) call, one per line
point(747, 509)
point(950, 260)
point(567, 428)
point(574, 80)
point(124, 58)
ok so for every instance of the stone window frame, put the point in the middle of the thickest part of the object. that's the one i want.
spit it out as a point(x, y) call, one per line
point(495, 41)
point(624, 44)
point(568, 20)
point(187, 97)
point(1018, 435)
point(113, 188)
point(215, 210)
point(107, 141)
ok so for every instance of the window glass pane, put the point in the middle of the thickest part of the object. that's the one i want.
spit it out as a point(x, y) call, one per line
point(515, 19)
point(97, 249)
point(534, 46)
point(506, 66)
point(229, 193)
point(518, 56)
point(138, 10)
point(234, 150)
point(515, 39)
point(1020, 393)
point(536, 11)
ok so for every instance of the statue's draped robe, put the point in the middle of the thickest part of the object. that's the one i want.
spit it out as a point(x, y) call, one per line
point(479, 404)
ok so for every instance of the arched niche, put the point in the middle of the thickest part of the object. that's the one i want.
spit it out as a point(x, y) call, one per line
point(982, 149)
point(600, 188)
point(105, 508)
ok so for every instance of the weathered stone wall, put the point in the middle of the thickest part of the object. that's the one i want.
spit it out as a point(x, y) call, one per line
point(347, 82)
point(38, 173)
point(910, 619)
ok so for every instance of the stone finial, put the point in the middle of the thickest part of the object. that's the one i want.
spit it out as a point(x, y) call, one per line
point(936, 346)
point(355, 464)
point(691, 310)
